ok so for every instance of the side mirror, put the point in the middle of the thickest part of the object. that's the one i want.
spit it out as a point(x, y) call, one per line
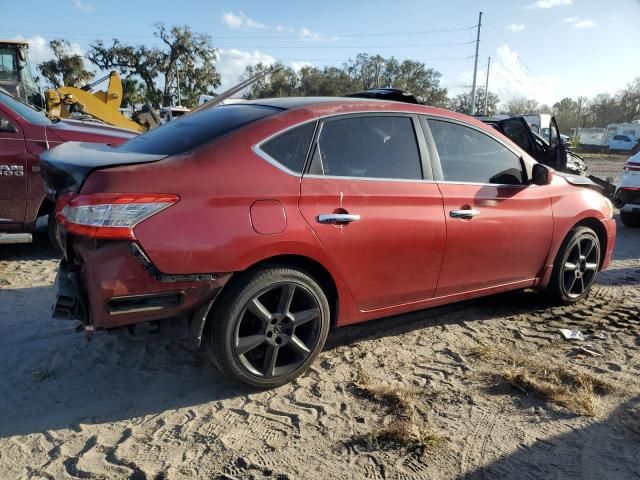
point(540, 175)
point(7, 127)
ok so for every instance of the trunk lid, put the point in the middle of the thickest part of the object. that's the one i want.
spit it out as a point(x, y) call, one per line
point(64, 168)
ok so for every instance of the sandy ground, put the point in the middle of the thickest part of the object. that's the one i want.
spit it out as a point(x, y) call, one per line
point(113, 408)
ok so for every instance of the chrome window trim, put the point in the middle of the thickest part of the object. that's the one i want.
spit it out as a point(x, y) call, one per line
point(378, 179)
point(257, 148)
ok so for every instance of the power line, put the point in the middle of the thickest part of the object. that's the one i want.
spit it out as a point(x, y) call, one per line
point(331, 47)
point(244, 37)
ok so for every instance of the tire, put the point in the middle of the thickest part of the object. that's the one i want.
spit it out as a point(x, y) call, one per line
point(52, 229)
point(575, 267)
point(630, 220)
point(269, 326)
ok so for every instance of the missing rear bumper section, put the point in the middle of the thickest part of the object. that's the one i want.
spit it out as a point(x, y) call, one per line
point(144, 303)
point(107, 285)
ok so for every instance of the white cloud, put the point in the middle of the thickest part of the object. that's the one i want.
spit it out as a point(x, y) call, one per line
point(509, 79)
point(577, 23)
point(232, 63)
point(584, 24)
point(307, 34)
point(550, 3)
point(39, 50)
point(83, 7)
point(233, 20)
point(297, 66)
point(516, 27)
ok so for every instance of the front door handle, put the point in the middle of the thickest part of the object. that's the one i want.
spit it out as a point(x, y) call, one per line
point(466, 213)
point(337, 218)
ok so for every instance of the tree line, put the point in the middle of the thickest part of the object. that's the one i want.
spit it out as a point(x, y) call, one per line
point(152, 74)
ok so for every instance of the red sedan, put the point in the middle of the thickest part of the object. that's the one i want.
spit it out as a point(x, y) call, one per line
point(261, 225)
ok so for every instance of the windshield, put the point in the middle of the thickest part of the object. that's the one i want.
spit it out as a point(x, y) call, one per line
point(195, 129)
point(9, 65)
point(30, 114)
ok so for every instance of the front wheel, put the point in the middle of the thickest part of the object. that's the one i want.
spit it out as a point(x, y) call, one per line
point(269, 326)
point(575, 267)
point(631, 220)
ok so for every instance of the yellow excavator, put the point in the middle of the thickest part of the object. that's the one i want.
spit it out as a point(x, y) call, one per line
point(101, 105)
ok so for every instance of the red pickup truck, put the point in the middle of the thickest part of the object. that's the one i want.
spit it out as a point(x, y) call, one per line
point(24, 134)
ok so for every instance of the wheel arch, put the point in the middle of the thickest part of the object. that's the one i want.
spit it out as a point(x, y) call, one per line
point(313, 267)
point(601, 232)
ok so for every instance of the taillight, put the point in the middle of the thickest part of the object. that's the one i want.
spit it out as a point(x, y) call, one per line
point(109, 215)
point(632, 167)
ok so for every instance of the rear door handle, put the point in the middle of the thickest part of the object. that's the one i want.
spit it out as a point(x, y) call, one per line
point(466, 213)
point(338, 218)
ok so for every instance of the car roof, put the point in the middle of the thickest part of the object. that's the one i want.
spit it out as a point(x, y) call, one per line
point(289, 103)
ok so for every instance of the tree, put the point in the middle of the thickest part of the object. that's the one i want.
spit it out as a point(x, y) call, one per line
point(363, 73)
point(133, 92)
point(629, 100)
point(415, 77)
point(521, 106)
point(66, 68)
point(185, 54)
point(462, 103)
point(566, 113)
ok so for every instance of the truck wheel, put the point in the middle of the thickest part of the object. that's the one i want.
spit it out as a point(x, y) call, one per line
point(269, 326)
point(630, 220)
point(575, 267)
point(52, 232)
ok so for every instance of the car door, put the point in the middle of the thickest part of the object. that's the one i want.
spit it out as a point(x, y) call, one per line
point(499, 227)
point(369, 197)
point(13, 180)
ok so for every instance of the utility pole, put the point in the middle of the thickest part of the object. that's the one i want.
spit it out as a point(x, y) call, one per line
point(178, 85)
point(475, 68)
point(486, 87)
point(576, 135)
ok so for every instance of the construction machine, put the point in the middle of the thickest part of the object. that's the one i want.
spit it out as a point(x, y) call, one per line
point(15, 72)
point(102, 105)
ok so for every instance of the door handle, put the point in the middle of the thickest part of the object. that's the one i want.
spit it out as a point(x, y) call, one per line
point(337, 218)
point(466, 213)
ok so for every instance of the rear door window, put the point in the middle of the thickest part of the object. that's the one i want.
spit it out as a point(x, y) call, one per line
point(468, 155)
point(368, 147)
point(290, 148)
point(191, 131)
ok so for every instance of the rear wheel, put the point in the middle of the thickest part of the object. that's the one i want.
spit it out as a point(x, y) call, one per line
point(631, 220)
point(52, 232)
point(269, 326)
point(575, 267)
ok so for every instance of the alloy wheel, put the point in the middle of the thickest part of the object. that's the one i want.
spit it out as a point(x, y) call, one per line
point(580, 267)
point(277, 330)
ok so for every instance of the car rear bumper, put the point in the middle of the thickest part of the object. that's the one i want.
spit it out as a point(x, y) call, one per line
point(112, 284)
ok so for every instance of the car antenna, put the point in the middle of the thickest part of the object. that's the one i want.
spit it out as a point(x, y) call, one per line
point(218, 99)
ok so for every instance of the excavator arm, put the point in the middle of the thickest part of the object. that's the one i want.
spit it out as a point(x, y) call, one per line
point(101, 105)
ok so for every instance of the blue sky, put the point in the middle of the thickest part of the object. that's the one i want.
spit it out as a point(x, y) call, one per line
point(542, 49)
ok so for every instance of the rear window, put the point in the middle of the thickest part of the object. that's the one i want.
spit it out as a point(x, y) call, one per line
point(193, 130)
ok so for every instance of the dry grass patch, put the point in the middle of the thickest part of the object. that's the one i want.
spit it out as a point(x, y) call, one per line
point(406, 426)
point(578, 392)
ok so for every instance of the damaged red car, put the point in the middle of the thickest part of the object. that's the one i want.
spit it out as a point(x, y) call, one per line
point(258, 226)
